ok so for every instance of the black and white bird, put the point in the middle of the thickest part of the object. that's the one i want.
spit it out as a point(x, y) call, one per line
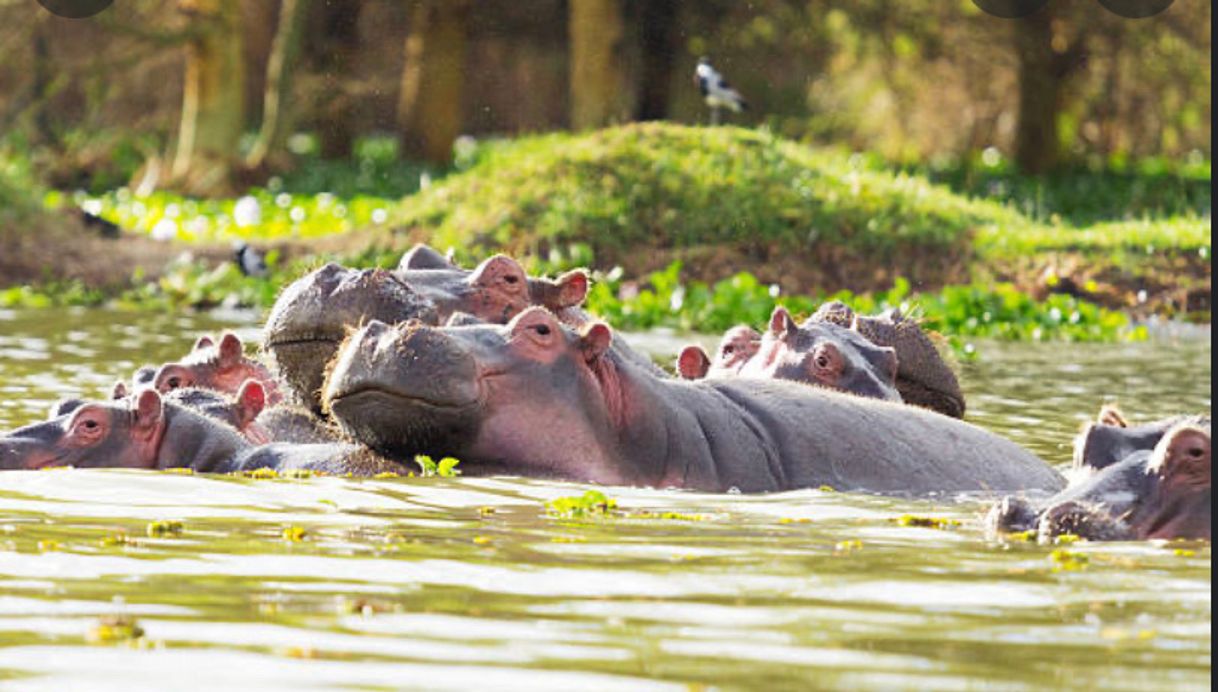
point(249, 261)
point(716, 91)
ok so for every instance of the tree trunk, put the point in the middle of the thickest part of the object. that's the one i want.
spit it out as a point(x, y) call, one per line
point(659, 39)
point(275, 99)
point(1040, 84)
point(335, 52)
point(213, 101)
point(430, 103)
point(594, 31)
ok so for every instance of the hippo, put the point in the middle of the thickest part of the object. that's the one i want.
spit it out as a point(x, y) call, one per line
point(821, 354)
point(312, 315)
point(924, 377)
point(148, 431)
point(1111, 438)
point(222, 366)
point(1160, 493)
point(538, 398)
point(738, 345)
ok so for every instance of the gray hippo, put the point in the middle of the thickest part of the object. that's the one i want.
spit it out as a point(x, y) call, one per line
point(536, 398)
point(924, 377)
point(1111, 438)
point(823, 354)
point(1160, 492)
point(312, 315)
point(147, 432)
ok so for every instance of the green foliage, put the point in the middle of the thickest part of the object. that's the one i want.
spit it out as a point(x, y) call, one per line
point(993, 311)
point(592, 503)
point(444, 468)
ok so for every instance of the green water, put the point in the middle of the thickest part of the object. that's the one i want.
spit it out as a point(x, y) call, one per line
point(467, 583)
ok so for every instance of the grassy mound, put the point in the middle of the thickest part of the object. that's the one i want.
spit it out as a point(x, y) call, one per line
point(629, 189)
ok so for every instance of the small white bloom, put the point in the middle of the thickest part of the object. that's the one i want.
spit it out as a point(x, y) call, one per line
point(247, 212)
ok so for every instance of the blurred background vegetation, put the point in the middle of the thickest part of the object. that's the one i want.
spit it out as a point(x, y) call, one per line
point(1072, 141)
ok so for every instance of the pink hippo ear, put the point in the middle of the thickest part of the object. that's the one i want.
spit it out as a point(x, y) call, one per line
point(251, 399)
point(231, 349)
point(203, 342)
point(149, 413)
point(572, 288)
point(781, 322)
point(595, 341)
point(119, 391)
point(693, 363)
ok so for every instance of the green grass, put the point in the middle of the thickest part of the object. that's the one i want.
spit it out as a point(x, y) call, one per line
point(664, 185)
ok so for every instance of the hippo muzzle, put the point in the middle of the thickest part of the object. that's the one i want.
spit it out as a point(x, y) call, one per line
point(405, 389)
point(32, 447)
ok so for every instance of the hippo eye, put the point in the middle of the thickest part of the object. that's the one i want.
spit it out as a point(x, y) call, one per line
point(511, 278)
point(542, 329)
point(90, 425)
point(1196, 452)
point(822, 361)
point(729, 349)
point(174, 382)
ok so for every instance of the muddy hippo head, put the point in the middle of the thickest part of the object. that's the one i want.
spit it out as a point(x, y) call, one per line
point(311, 317)
point(523, 397)
point(221, 366)
point(824, 354)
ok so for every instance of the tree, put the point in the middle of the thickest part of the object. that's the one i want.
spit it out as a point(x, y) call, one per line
point(430, 103)
point(332, 48)
point(1047, 58)
point(213, 98)
point(658, 36)
point(595, 29)
point(275, 115)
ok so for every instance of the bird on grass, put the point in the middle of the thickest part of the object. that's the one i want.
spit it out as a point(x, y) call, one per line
point(716, 91)
point(249, 261)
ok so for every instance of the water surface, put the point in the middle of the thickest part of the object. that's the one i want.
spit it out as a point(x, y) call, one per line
point(468, 583)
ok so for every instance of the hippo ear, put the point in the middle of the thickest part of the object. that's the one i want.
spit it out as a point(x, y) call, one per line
point(203, 342)
point(1111, 415)
point(781, 322)
point(693, 363)
point(424, 257)
point(231, 349)
point(889, 363)
point(595, 341)
point(149, 411)
point(119, 391)
point(572, 288)
point(251, 400)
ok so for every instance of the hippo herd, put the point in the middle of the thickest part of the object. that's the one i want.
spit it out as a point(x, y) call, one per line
point(365, 369)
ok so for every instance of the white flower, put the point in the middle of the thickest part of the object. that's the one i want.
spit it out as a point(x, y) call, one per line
point(247, 212)
point(165, 229)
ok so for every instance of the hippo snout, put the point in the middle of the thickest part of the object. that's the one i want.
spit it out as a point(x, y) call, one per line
point(409, 360)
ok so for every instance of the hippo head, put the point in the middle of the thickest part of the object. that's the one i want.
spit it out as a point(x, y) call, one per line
point(738, 345)
point(1180, 505)
point(240, 411)
point(824, 354)
point(312, 315)
point(526, 397)
point(221, 366)
point(124, 433)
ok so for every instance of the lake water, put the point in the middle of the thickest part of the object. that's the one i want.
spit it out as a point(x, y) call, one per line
point(468, 583)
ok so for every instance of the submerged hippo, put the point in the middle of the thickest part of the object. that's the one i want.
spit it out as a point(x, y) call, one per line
point(146, 431)
point(536, 398)
point(738, 345)
point(312, 315)
point(1162, 492)
point(221, 366)
point(1111, 438)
